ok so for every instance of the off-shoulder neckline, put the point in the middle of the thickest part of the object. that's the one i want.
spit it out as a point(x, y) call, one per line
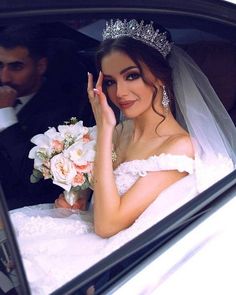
point(150, 157)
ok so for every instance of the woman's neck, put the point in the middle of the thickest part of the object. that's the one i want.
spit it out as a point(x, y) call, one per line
point(144, 129)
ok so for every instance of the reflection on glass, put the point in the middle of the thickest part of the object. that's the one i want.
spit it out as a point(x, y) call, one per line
point(9, 282)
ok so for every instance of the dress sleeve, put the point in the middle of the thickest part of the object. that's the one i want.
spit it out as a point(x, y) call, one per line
point(162, 162)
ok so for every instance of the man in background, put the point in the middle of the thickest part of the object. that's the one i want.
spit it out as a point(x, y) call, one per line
point(30, 102)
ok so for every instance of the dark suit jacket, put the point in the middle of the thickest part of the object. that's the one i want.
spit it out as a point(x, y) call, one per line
point(51, 106)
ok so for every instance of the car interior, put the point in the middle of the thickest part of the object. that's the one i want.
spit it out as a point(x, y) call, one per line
point(214, 51)
point(213, 47)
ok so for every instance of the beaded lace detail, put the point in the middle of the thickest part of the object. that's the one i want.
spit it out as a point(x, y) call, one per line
point(128, 173)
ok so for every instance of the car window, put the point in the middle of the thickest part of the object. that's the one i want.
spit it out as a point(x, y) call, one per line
point(12, 274)
point(72, 42)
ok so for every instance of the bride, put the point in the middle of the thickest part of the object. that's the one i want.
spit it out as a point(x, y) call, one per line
point(170, 146)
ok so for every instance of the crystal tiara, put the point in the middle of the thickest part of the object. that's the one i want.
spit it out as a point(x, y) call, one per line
point(139, 31)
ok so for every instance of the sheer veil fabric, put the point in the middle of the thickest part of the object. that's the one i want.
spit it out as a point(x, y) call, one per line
point(200, 111)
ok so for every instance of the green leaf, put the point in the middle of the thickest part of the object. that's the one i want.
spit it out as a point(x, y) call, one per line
point(37, 173)
point(84, 186)
point(72, 120)
point(36, 176)
point(33, 179)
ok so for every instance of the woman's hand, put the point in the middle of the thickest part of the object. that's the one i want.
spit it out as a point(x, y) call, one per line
point(80, 204)
point(103, 113)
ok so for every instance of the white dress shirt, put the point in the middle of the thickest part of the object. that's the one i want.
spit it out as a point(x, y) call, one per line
point(8, 116)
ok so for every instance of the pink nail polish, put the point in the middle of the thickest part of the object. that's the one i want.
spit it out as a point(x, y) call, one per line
point(96, 91)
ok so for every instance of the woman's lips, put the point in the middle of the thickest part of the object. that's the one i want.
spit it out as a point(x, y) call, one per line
point(126, 104)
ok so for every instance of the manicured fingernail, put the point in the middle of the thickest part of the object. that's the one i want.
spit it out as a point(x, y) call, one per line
point(96, 91)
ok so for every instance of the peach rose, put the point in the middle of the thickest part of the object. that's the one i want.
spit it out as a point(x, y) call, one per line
point(63, 171)
point(57, 145)
point(79, 179)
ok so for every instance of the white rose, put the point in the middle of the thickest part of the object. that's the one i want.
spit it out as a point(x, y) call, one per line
point(80, 152)
point(63, 171)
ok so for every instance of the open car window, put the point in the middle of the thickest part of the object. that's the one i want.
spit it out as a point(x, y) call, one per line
point(74, 32)
point(13, 277)
point(128, 266)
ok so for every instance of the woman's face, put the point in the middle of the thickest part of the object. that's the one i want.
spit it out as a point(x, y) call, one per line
point(125, 86)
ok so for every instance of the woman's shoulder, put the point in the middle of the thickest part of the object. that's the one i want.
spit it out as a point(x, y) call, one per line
point(179, 144)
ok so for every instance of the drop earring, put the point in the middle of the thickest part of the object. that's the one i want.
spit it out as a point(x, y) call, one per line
point(165, 100)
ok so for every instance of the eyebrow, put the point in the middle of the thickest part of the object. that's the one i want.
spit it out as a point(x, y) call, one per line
point(123, 71)
point(127, 69)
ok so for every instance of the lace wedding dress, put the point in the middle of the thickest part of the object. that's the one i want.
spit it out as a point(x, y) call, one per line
point(58, 244)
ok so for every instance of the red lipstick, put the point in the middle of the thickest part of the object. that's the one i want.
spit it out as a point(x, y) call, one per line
point(127, 104)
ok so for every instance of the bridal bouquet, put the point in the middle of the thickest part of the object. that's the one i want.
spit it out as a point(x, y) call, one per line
point(66, 156)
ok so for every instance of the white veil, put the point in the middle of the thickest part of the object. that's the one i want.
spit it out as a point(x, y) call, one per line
point(201, 112)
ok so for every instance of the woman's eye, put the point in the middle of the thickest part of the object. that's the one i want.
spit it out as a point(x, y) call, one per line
point(108, 83)
point(133, 76)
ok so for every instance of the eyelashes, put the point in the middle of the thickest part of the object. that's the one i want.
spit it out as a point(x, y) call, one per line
point(108, 82)
point(128, 77)
point(133, 76)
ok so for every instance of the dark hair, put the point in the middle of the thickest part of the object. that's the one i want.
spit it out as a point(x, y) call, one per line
point(139, 52)
point(31, 37)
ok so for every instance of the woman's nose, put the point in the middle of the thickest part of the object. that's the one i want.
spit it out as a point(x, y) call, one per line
point(121, 89)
